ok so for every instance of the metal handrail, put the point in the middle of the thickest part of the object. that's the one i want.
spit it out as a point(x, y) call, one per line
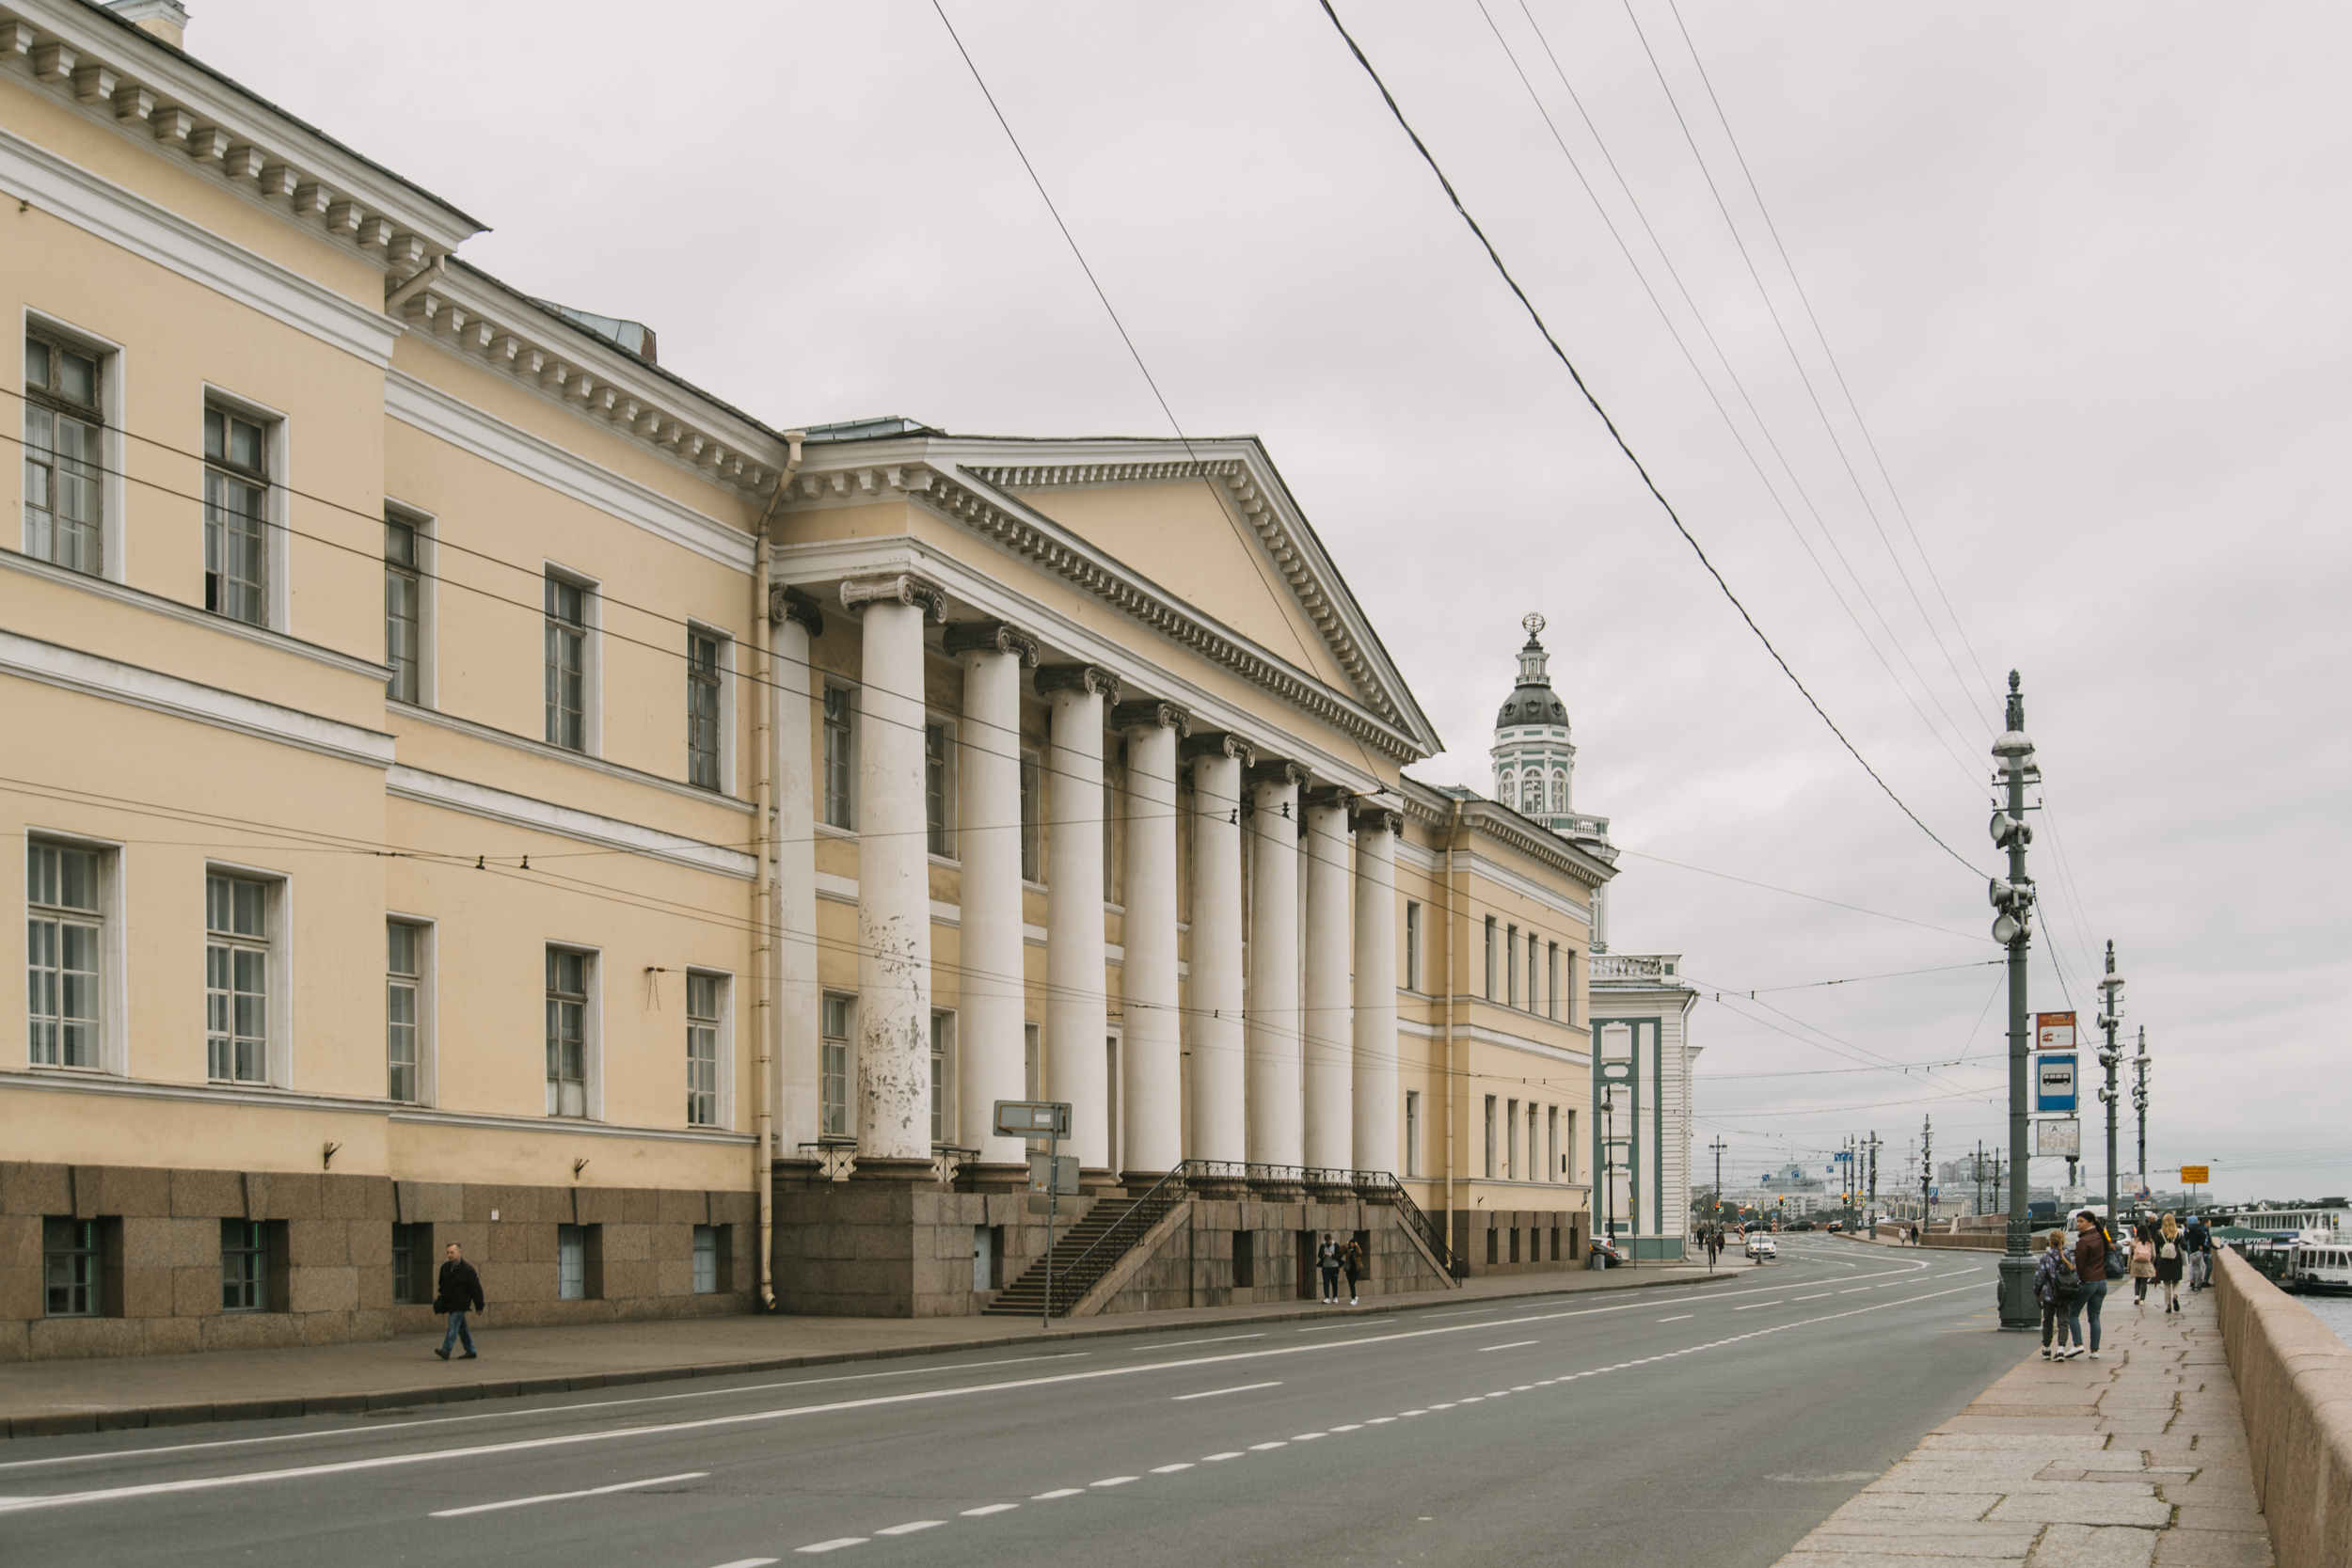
point(1423, 1225)
point(1177, 1175)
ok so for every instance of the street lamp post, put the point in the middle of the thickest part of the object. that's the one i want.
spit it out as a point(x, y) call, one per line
point(2013, 929)
point(2139, 1103)
point(1927, 1168)
point(2110, 1015)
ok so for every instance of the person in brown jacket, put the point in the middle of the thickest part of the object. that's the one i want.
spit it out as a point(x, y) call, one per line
point(2091, 1267)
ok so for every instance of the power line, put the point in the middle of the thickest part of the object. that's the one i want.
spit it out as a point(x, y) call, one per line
point(1561, 355)
point(1707, 386)
point(1810, 898)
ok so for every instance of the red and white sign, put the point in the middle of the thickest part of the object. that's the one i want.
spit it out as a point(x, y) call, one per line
point(2054, 1031)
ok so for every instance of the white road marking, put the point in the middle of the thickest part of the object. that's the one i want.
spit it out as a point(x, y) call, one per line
point(1114, 1481)
point(749, 1562)
point(911, 1527)
point(1358, 1426)
point(1170, 1469)
point(1379, 1421)
point(1220, 1339)
point(1058, 1492)
point(565, 1497)
point(1237, 1388)
point(1823, 1296)
point(1441, 1407)
point(1260, 1448)
point(832, 1545)
point(1679, 1317)
point(1212, 1458)
point(1351, 1322)
point(986, 1509)
point(1851, 1291)
point(1308, 1436)
point(1513, 1345)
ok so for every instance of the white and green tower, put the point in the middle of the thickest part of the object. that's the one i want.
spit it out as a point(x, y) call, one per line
point(1534, 760)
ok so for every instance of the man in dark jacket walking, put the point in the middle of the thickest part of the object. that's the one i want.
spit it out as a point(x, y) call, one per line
point(458, 1291)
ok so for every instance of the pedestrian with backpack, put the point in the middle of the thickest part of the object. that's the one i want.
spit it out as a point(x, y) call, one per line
point(2168, 1262)
point(2095, 1261)
point(2059, 1290)
point(2197, 1241)
point(2144, 1262)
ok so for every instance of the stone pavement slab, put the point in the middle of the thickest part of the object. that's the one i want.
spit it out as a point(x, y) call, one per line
point(2138, 1459)
point(48, 1398)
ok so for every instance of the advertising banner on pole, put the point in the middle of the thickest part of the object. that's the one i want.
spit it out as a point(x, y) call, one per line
point(2054, 1031)
point(2054, 1092)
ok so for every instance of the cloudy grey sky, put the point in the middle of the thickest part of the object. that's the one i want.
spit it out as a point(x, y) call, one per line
point(2081, 269)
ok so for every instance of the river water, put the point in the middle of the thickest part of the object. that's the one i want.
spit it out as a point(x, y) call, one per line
point(2335, 1311)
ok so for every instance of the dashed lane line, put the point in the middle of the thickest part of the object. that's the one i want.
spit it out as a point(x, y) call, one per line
point(832, 1545)
point(983, 1511)
point(1513, 1345)
point(1211, 1393)
point(911, 1527)
point(566, 1497)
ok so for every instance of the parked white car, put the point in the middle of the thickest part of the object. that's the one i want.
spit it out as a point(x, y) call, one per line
point(1760, 1247)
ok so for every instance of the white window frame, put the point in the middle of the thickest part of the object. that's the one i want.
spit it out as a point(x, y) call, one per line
point(950, 780)
point(941, 1054)
point(112, 489)
point(114, 986)
point(428, 1058)
point(725, 639)
point(426, 527)
point(278, 445)
point(591, 1028)
point(1494, 1109)
point(1032, 811)
point(1412, 1133)
point(278, 926)
point(1511, 1140)
point(847, 1039)
point(591, 657)
point(725, 1028)
point(694, 1254)
point(850, 709)
point(1413, 936)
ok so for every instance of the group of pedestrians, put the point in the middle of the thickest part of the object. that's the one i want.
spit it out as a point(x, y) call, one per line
point(1335, 1257)
point(2071, 1281)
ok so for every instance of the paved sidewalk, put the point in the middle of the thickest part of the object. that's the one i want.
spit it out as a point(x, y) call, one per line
point(47, 1397)
point(2137, 1460)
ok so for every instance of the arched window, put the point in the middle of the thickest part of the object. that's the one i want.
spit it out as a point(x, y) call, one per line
point(1559, 792)
point(1507, 791)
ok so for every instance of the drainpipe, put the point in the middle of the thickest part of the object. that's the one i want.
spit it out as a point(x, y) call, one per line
point(1453, 835)
point(763, 878)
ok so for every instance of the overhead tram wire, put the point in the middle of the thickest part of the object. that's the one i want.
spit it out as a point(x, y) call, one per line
point(1651, 484)
point(1810, 898)
point(1987, 683)
point(1803, 375)
point(1706, 384)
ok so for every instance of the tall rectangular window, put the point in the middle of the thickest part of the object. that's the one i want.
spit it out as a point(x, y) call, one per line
point(1551, 1143)
point(706, 1260)
point(943, 1077)
point(839, 763)
point(568, 664)
point(236, 980)
point(1534, 1151)
point(243, 1266)
point(833, 1088)
point(1491, 957)
point(1032, 833)
point(403, 980)
point(63, 939)
point(702, 1050)
point(568, 1032)
point(1568, 1146)
point(64, 461)
point(1412, 946)
point(236, 517)
point(69, 1268)
point(935, 788)
point(571, 1262)
point(1552, 977)
point(1511, 966)
point(701, 710)
point(1490, 1135)
point(1032, 1061)
point(412, 1250)
point(1534, 947)
point(1568, 993)
point(1412, 1131)
point(1110, 824)
point(404, 611)
point(1511, 1140)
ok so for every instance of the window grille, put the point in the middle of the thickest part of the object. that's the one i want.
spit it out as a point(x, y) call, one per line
point(568, 664)
point(935, 788)
point(236, 517)
point(64, 460)
point(834, 1086)
point(567, 1033)
point(701, 710)
point(401, 981)
point(69, 1268)
point(236, 980)
point(702, 1050)
point(706, 1260)
point(63, 934)
point(837, 760)
point(243, 1266)
point(403, 610)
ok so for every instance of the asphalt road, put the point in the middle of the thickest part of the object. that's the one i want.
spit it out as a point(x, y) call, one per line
point(1711, 1425)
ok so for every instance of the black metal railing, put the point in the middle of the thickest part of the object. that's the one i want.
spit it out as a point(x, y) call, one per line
point(1393, 1192)
point(1066, 1287)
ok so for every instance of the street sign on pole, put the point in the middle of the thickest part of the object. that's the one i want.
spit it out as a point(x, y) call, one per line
point(2058, 1139)
point(1048, 1119)
point(2054, 1081)
point(2054, 1031)
point(2197, 1176)
point(1032, 1118)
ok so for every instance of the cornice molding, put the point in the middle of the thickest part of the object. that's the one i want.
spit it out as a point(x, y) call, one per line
point(116, 74)
point(522, 810)
point(156, 234)
point(481, 321)
point(476, 730)
point(1434, 810)
point(460, 423)
point(1045, 544)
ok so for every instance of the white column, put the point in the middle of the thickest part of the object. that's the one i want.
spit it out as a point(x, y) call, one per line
point(799, 999)
point(1213, 992)
point(1324, 1018)
point(1273, 1049)
point(1078, 1011)
point(1377, 1106)
point(894, 916)
point(990, 1065)
point(1150, 1061)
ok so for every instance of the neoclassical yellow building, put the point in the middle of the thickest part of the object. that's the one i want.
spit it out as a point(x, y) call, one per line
point(476, 787)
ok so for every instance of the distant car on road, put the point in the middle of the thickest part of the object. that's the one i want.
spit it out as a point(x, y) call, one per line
point(1837, 1227)
point(1802, 1225)
point(1760, 1247)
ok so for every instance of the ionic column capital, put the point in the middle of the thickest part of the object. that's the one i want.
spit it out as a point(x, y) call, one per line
point(1217, 743)
point(1090, 679)
point(1277, 771)
point(791, 604)
point(1379, 819)
point(994, 637)
point(1150, 713)
point(902, 588)
point(1329, 795)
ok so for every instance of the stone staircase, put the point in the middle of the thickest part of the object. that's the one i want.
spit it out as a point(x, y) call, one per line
point(1084, 1253)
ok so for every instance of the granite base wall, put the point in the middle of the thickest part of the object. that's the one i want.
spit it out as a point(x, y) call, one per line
point(1194, 1266)
point(1472, 1226)
point(889, 1249)
point(331, 1256)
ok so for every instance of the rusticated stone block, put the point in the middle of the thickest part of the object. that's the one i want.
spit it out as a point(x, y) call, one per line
point(672, 1276)
point(172, 1335)
point(375, 1286)
point(20, 1292)
point(734, 1208)
point(196, 1291)
point(317, 1242)
point(146, 1292)
point(15, 1341)
point(628, 1244)
point(511, 1243)
point(669, 1241)
point(683, 1206)
point(282, 1196)
point(30, 1189)
point(641, 1205)
point(371, 1243)
point(625, 1279)
point(208, 1194)
point(430, 1202)
point(596, 1204)
point(323, 1290)
point(355, 1198)
point(249, 1331)
point(74, 1339)
point(20, 1241)
point(127, 1190)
